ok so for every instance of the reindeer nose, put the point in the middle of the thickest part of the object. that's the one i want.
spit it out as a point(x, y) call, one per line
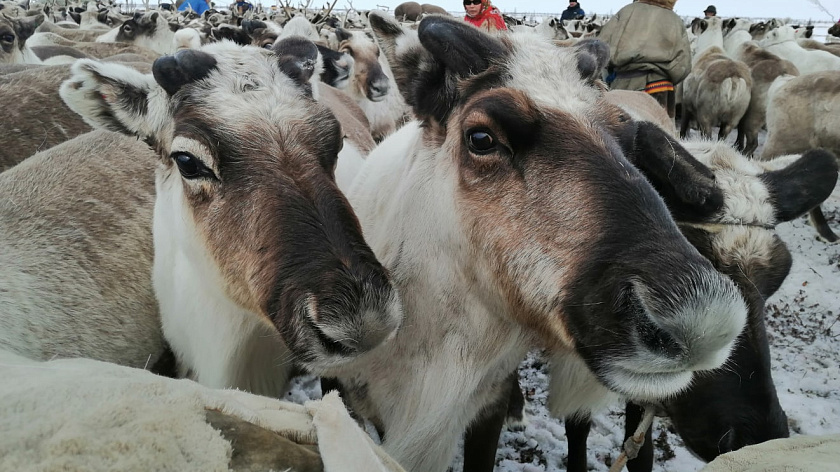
point(378, 88)
point(358, 339)
point(374, 335)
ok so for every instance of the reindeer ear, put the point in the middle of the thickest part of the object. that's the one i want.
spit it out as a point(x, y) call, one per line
point(249, 26)
point(592, 56)
point(111, 96)
point(802, 185)
point(342, 34)
point(337, 66)
point(25, 27)
point(428, 63)
point(687, 186)
point(297, 57)
point(189, 65)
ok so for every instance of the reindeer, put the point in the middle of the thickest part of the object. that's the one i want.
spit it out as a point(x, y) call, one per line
point(765, 68)
point(717, 91)
point(150, 30)
point(76, 251)
point(738, 403)
point(736, 406)
point(372, 84)
point(13, 35)
point(510, 218)
point(258, 256)
point(35, 118)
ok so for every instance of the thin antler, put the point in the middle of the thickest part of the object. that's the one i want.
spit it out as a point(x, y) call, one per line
point(287, 9)
point(347, 13)
point(319, 24)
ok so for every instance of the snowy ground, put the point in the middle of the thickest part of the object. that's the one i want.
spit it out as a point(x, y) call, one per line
point(803, 320)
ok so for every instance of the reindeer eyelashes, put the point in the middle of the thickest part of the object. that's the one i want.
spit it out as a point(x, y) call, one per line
point(191, 167)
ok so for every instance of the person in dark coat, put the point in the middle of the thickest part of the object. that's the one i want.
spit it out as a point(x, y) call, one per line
point(574, 12)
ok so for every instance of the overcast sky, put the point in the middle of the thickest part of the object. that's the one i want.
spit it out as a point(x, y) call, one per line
point(795, 9)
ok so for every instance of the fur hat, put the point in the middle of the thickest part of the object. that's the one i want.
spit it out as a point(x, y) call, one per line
point(710, 9)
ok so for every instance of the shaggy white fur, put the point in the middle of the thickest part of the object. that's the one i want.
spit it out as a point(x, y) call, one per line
point(81, 414)
point(799, 454)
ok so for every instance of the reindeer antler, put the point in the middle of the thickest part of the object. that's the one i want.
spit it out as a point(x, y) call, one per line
point(287, 8)
point(321, 23)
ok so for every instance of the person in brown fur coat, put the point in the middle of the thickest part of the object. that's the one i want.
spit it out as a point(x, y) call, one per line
point(649, 50)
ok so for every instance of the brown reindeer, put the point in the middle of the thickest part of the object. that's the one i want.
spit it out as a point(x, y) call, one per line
point(765, 68)
point(35, 118)
point(725, 409)
point(510, 217)
point(371, 83)
point(257, 253)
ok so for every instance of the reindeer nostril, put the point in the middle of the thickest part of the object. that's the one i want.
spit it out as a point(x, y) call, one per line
point(659, 340)
point(655, 338)
point(343, 346)
point(378, 88)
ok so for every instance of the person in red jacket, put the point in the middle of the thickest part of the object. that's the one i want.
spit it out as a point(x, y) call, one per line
point(484, 15)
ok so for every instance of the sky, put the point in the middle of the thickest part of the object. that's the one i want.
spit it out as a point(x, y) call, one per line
point(794, 9)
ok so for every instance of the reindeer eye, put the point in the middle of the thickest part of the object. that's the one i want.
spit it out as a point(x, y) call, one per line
point(126, 29)
point(480, 142)
point(7, 38)
point(191, 167)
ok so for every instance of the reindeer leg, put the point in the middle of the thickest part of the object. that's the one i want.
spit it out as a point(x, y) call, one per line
point(644, 461)
point(818, 221)
point(482, 437)
point(516, 420)
point(577, 430)
point(685, 122)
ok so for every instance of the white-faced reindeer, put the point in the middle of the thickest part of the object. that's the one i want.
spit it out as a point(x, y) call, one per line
point(257, 253)
point(510, 218)
point(150, 30)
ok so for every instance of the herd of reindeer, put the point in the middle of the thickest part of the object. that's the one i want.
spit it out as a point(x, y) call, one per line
point(406, 206)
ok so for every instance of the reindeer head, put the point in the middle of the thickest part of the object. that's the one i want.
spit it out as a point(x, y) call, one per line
point(563, 233)
point(149, 30)
point(245, 189)
point(370, 78)
point(13, 35)
point(737, 406)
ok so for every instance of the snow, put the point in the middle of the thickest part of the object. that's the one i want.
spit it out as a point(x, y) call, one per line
point(803, 320)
